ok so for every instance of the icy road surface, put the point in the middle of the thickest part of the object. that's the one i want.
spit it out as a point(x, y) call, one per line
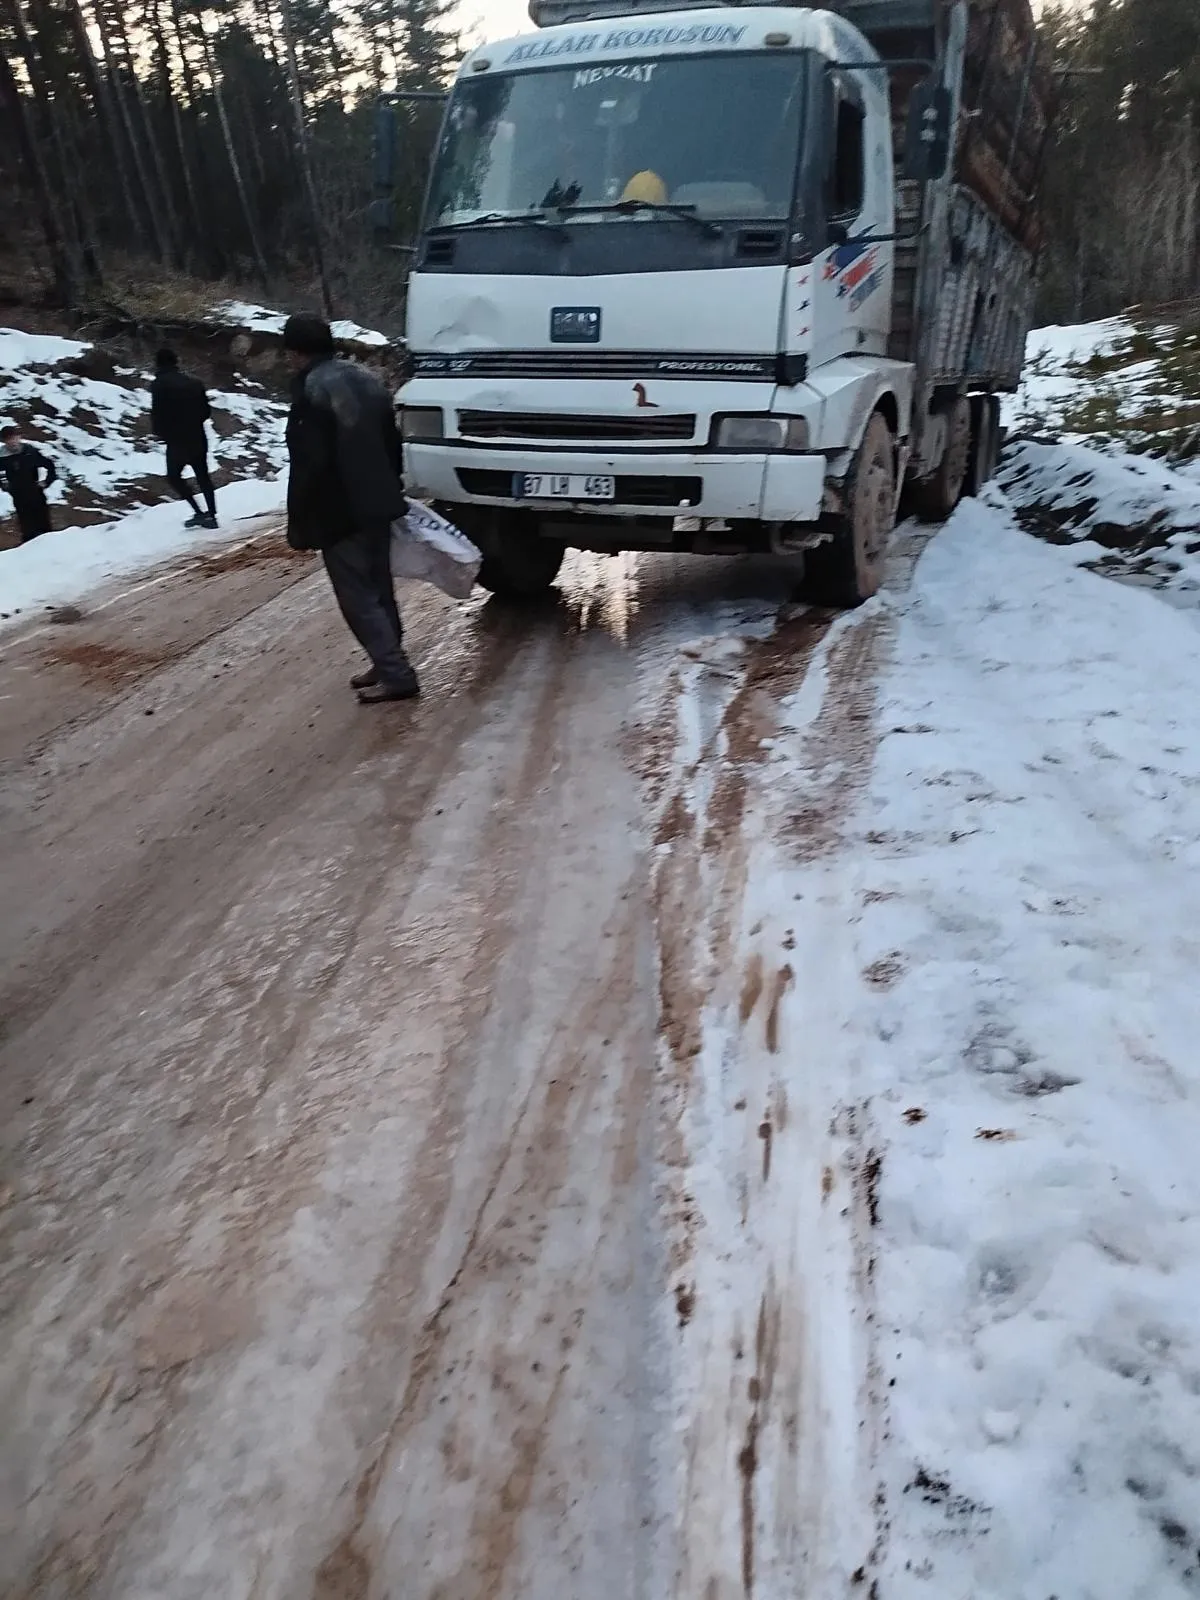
point(703, 1106)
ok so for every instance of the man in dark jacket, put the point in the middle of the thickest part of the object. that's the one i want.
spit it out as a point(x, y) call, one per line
point(21, 466)
point(345, 489)
point(178, 411)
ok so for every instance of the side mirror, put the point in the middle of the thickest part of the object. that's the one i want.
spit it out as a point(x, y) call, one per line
point(836, 233)
point(382, 207)
point(927, 136)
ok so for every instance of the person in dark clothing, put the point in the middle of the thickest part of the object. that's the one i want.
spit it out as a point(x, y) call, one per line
point(21, 466)
point(345, 489)
point(178, 411)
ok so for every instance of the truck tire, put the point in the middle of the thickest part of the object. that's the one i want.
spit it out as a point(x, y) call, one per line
point(848, 569)
point(518, 564)
point(985, 440)
point(935, 498)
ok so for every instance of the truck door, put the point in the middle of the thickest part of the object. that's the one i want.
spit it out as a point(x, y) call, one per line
point(852, 275)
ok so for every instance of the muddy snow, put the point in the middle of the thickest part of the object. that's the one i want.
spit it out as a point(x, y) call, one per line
point(74, 564)
point(943, 1109)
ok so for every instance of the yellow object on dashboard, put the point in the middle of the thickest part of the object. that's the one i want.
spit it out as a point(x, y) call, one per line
point(647, 186)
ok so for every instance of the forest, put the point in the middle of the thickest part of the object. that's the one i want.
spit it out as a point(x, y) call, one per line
point(185, 140)
point(230, 140)
point(1121, 186)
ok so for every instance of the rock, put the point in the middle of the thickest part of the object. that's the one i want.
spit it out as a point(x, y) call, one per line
point(93, 363)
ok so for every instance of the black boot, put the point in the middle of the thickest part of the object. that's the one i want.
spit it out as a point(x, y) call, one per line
point(405, 688)
point(365, 680)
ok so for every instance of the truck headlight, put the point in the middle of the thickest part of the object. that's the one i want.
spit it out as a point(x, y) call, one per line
point(761, 433)
point(422, 422)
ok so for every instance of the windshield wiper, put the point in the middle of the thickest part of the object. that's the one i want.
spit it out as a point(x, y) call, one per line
point(711, 230)
point(538, 219)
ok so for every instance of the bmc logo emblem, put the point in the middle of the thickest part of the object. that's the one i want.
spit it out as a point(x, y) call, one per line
point(643, 400)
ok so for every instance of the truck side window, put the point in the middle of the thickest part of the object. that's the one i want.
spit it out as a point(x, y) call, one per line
point(849, 160)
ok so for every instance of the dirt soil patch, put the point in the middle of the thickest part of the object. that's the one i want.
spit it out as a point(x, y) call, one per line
point(244, 557)
point(110, 665)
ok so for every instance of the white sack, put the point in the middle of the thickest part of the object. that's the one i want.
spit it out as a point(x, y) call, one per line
point(430, 549)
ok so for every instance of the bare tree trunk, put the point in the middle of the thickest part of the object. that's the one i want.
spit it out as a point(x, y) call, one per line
point(234, 166)
point(65, 284)
point(208, 186)
point(77, 141)
point(246, 114)
point(50, 109)
point(163, 196)
point(103, 101)
point(304, 157)
point(139, 165)
point(170, 99)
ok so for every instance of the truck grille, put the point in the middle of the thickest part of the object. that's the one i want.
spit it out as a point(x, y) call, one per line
point(548, 425)
point(595, 364)
point(632, 489)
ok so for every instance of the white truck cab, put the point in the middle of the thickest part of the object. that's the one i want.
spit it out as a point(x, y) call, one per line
point(661, 299)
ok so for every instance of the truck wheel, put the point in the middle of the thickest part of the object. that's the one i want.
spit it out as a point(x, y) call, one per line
point(848, 568)
point(517, 562)
point(985, 440)
point(936, 497)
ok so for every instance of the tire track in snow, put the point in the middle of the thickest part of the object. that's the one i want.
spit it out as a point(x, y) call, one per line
point(774, 1162)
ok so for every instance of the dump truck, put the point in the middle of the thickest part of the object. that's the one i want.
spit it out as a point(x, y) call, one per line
point(723, 279)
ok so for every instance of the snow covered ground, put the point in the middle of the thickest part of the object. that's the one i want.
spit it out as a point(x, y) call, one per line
point(1130, 383)
point(1029, 868)
point(942, 1117)
point(96, 430)
point(243, 314)
point(1104, 449)
point(65, 566)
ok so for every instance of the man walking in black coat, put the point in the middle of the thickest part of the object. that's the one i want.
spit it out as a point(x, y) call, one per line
point(345, 489)
point(178, 411)
point(21, 466)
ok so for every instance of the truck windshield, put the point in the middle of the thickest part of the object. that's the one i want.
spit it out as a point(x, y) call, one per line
point(710, 136)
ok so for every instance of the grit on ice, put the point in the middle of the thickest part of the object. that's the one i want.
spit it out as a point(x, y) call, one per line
point(1002, 951)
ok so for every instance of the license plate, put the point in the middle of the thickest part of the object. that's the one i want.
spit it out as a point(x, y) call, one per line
point(563, 486)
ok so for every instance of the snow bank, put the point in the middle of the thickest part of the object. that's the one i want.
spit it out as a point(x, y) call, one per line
point(1116, 384)
point(1029, 866)
point(1062, 344)
point(1105, 435)
point(243, 314)
point(61, 567)
point(19, 349)
point(1129, 515)
point(942, 1109)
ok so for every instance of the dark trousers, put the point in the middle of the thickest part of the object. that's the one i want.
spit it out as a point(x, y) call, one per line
point(180, 458)
point(33, 516)
point(360, 570)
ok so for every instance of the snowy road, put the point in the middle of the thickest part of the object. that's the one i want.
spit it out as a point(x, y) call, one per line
point(697, 1108)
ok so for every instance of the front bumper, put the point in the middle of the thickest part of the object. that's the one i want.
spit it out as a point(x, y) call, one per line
point(768, 488)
